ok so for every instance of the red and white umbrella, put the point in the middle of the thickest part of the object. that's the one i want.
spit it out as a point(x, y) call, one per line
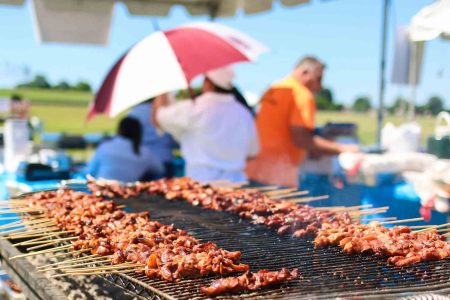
point(166, 61)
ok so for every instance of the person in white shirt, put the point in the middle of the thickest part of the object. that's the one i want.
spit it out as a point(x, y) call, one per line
point(216, 133)
point(123, 157)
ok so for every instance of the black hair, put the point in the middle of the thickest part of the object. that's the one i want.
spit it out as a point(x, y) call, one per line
point(236, 93)
point(241, 99)
point(131, 129)
point(219, 89)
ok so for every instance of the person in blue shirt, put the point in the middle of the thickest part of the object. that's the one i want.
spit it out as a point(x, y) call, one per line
point(123, 157)
point(161, 144)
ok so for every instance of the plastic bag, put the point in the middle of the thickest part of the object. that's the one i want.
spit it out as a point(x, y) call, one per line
point(404, 138)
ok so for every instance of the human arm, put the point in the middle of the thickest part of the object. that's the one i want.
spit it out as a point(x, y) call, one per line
point(175, 118)
point(302, 123)
point(304, 138)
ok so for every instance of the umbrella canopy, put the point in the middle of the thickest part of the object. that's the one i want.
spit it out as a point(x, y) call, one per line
point(168, 60)
point(431, 22)
point(71, 21)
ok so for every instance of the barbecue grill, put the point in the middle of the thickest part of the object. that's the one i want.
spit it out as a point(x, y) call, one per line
point(325, 273)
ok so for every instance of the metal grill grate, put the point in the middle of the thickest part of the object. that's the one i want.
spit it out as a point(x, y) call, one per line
point(327, 273)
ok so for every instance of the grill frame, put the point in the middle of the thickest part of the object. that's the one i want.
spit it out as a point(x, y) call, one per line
point(159, 207)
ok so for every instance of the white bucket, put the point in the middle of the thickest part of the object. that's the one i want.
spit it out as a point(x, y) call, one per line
point(16, 143)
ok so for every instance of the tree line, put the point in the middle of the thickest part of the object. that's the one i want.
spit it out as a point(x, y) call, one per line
point(324, 99)
point(363, 104)
point(41, 82)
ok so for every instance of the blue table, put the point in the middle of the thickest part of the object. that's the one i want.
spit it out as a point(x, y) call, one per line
point(400, 196)
point(12, 180)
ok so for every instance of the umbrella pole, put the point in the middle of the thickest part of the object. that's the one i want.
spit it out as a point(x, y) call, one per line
point(380, 115)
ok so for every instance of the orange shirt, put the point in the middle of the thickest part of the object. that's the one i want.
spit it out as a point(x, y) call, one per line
point(287, 103)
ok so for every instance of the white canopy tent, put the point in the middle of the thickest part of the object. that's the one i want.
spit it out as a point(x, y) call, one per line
point(73, 21)
point(431, 22)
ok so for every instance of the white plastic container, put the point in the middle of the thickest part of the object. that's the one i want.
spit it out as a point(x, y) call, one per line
point(16, 140)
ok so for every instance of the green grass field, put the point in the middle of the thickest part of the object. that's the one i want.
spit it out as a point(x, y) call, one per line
point(367, 123)
point(65, 111)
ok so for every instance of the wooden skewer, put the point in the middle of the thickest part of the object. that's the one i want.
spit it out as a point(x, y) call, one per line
point(10, 218)
point(110, 267)
point(69, 266)
point(219, 181)
point(332, 208)
point(35, 235)
point(30, 234)
point(345, 208)
point(446, 235)
point(443, 225)
point(26, 228)
point(420, 226)
point(12, 224)
point(56, 249)
point(121, 206)
point(370, 211)
point(299, 193)
point(72, 253)
point(402, 221)
point(263, 188)
point(53, 240)
point(379, 219)
point(308, 199)
point(433, 227)
point(69, 261)
point(443, 230)
point(279, 192)
point(35, 239)
point(92, 273)
point(41, 246)
point(25, 210)
point(236, 185)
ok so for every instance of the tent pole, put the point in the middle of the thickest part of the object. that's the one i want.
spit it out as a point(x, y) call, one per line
point(413, 81)
point(382, 70)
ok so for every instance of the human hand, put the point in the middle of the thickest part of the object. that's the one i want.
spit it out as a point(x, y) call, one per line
point(353, 148)
point(161, 100)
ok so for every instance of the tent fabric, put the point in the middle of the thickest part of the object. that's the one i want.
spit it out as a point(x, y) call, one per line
point(72, 21)
point(431, 22)
point(213, 8)
point(407, 58)
point(12, 2)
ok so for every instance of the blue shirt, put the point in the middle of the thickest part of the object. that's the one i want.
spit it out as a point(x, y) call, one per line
point(161, 145)
point(115, 159)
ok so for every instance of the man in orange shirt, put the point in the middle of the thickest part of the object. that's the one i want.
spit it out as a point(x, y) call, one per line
point(285, 125)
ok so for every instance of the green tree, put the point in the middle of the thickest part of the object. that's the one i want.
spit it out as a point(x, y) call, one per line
point(362, 104)
point(324, 100)
point(400, 104)
point(63, 85)
point(82, 86)
point(39, 81)
point(435, 105)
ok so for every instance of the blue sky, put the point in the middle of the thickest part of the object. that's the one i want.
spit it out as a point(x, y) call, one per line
point(344, 33)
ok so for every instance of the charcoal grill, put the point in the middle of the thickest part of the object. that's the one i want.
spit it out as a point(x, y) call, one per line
point(326, 273)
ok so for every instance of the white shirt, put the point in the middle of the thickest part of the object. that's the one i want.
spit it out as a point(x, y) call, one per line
point(216, 134)
point(115, 159)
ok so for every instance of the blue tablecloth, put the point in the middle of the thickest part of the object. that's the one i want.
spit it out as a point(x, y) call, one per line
point(403, 201)
point(14, 180)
